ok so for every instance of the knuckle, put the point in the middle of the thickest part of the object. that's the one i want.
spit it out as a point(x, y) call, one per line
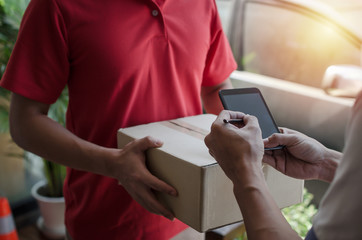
point(154, 184)
point(215, 128)
point(253, 118)
point(134, 177)
point(272, 137)
point(254, 127)
point(206, 140)
point(224, 112)
point(148, 139)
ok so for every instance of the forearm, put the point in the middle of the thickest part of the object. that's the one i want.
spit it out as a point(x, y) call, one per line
point(262, 217)
point(34, 131)
point(210, 97)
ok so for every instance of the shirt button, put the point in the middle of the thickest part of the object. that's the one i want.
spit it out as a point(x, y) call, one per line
point(155, 13)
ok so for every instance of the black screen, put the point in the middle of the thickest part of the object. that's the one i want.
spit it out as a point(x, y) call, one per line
point(253, 104)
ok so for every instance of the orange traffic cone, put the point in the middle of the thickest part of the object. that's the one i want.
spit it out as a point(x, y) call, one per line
point(7, 225)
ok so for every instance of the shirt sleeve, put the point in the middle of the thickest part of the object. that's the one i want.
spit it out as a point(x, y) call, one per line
point(340, 209)
point(311, 235)
point(220, 61)
point(38, 67)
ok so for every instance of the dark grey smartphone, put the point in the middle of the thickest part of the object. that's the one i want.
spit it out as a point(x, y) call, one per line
point(251, 101)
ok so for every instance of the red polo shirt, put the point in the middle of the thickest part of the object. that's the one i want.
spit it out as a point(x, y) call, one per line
point(126, 62)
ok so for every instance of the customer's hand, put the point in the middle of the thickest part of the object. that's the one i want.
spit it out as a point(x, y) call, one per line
point(134, 176)
point(236, 149)
point(302, 157)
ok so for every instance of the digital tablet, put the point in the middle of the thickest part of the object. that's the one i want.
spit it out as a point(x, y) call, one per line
point(250, 101)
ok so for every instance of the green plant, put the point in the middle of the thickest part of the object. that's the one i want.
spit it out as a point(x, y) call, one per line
point(8, 35)
point(300, 215)
point(55, 173)
point(11, 12)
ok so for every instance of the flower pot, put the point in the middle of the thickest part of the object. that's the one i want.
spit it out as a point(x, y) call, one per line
point(51, 221)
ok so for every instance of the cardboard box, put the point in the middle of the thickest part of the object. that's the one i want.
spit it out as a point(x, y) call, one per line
point(206, 198)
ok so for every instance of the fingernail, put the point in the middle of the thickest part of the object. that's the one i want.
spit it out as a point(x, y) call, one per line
point(170, 217)
point(173, 193)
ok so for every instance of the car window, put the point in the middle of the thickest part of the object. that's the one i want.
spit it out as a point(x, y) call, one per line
point(291, 43)
point(225, 8)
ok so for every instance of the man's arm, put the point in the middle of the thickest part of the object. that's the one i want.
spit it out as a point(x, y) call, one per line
point(262, 217)
point(239, 151)
point(302, 157)
point(210, 97)
point(34, 131)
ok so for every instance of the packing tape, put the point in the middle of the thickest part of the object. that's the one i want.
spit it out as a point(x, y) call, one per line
point(186, 128)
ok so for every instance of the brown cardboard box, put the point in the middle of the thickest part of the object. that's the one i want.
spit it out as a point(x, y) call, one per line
point(205, 199)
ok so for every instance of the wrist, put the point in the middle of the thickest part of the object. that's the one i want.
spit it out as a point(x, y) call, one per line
point(329, 165)
point(245, 176)
point(105, 161)
point(248, 184)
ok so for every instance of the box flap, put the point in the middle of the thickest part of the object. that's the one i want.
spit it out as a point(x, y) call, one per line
point(175, 135)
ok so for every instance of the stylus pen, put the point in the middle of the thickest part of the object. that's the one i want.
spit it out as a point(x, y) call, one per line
point(234, 121)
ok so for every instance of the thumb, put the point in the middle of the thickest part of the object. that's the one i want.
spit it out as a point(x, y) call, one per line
point(148, 142)
point(286, 139)
point(275, 140)
point(270, 141)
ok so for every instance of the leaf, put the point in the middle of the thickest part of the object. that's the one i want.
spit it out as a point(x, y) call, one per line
point(4, 119)
point(299, 216)
point(55, 174)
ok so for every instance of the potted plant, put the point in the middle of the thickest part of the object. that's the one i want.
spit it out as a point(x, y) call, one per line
point(51, 219)
point(51, 189)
